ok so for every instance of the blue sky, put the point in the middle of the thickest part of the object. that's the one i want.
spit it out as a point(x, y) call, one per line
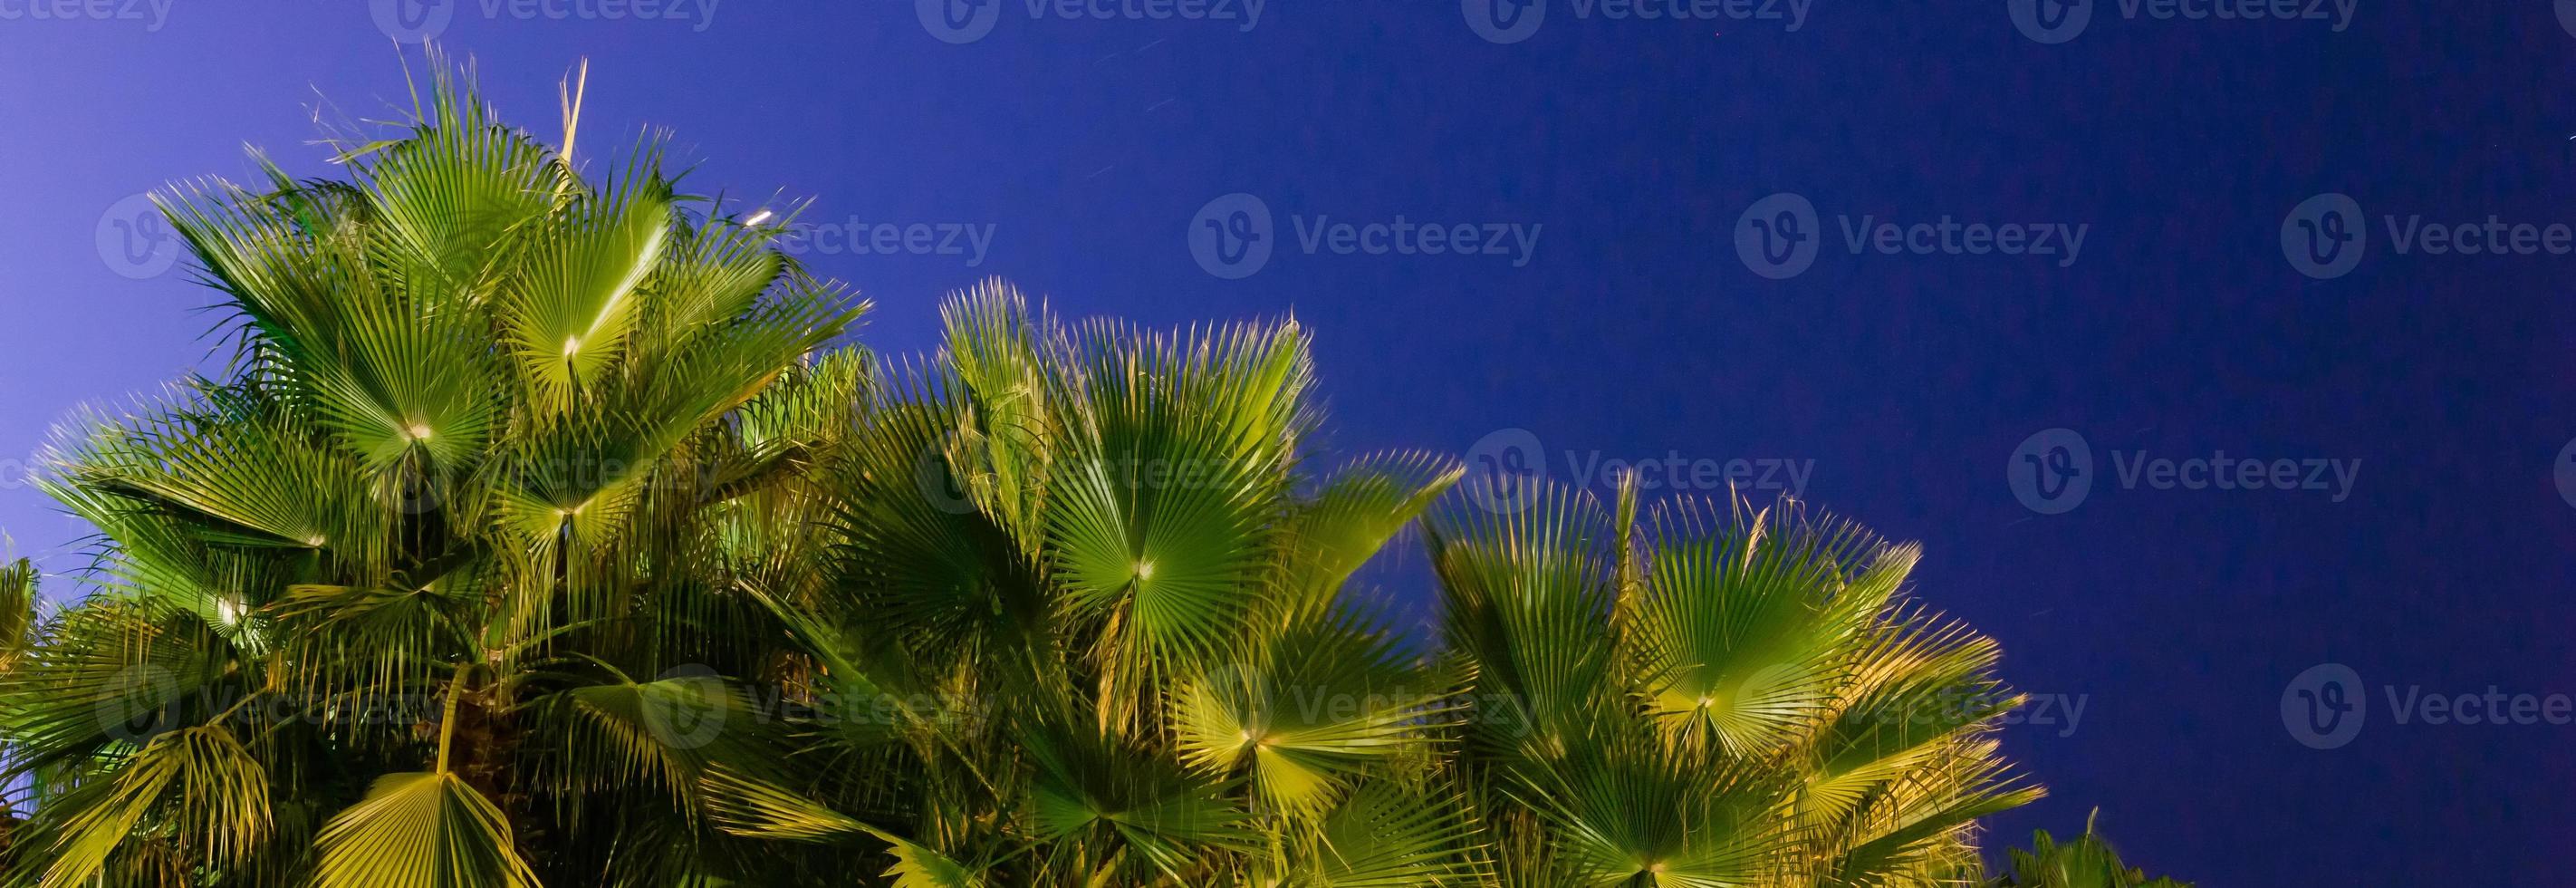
point(1924, 269)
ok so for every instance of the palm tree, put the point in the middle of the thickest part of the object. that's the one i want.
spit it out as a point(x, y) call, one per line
point(1104, 542)
point(539, 533)
point(2086, 862)
point(401, 599)
point(1714, 695)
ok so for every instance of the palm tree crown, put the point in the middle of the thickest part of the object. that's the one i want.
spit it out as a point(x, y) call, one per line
point(540, 532)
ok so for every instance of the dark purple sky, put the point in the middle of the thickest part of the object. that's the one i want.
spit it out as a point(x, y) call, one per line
point(1620, 160)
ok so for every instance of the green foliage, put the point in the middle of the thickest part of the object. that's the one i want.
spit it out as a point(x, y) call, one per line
point(498, 438)
point(17, 607)
point(541, 533)
point(2086, 862)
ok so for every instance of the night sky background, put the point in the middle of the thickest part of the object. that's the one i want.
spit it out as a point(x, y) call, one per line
point(2179, 618)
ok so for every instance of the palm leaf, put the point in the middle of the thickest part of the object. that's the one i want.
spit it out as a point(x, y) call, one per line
point(199, 783)
point(570, 305)
point(420, 830)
